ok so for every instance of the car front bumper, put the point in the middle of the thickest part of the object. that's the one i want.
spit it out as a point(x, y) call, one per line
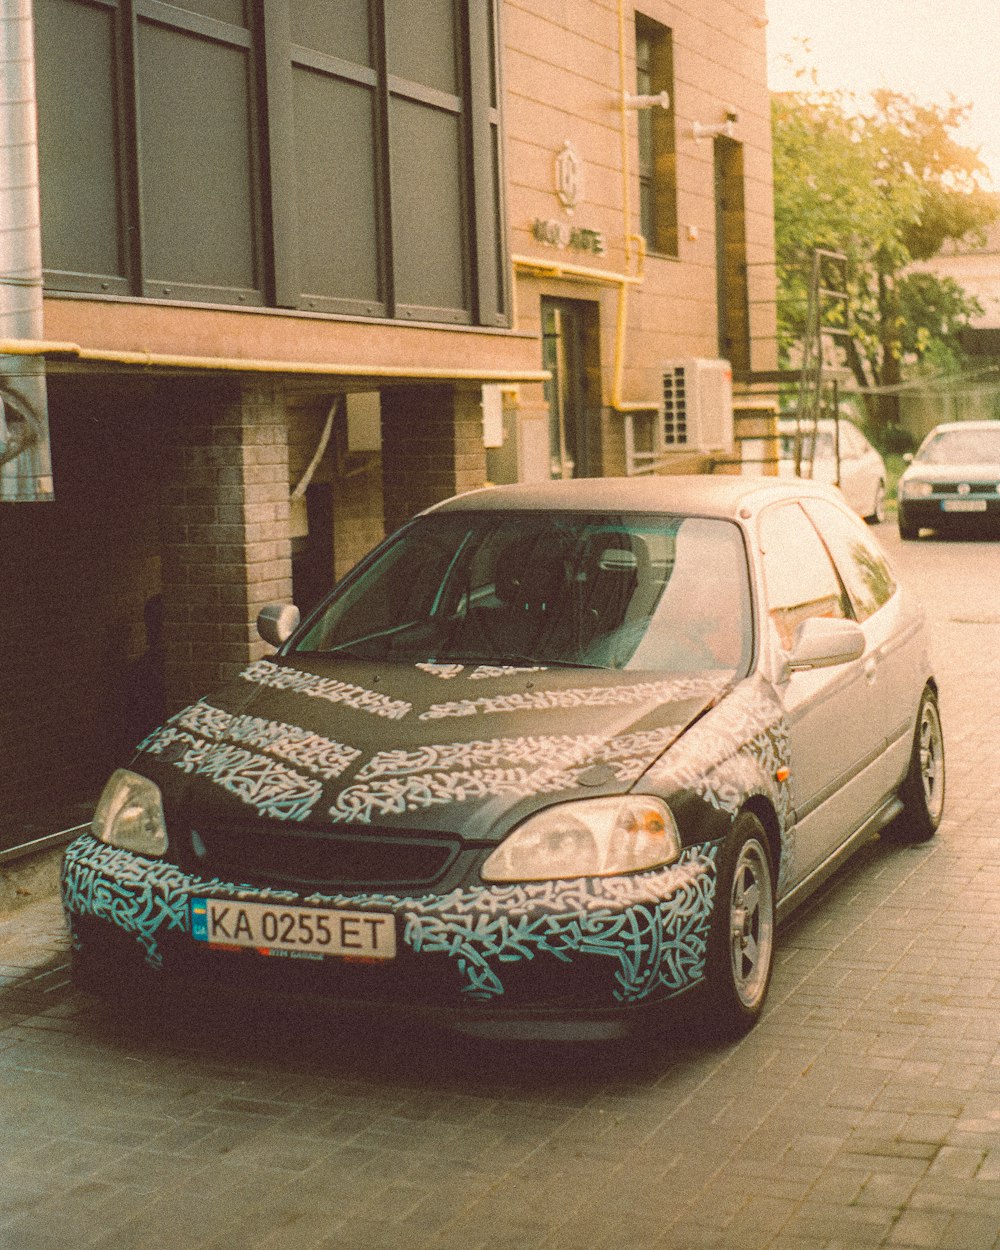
point(941, 511)
point(584, 948)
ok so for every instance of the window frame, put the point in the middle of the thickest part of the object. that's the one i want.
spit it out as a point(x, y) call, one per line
point(276, 240)
point(785, 635)
point(852, 523)
point(657, 129)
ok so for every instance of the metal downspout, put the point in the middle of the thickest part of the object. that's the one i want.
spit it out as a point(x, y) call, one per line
point(25, 457)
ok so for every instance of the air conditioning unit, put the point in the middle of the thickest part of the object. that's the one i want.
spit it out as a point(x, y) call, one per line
point(697, 405)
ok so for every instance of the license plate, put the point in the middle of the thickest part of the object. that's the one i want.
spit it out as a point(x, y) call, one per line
point(301, 930)
point(963, 505)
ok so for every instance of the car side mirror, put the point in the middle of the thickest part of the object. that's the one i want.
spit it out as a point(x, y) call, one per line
point(822, 642)
point(907, 457)
point(277, 622)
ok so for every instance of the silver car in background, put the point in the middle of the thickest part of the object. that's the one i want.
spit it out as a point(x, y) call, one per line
point(861, 474)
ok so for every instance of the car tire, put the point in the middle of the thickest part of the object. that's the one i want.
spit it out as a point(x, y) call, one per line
point(740, 952)
point(922, 791)
point(907, 530)
point(877, 514)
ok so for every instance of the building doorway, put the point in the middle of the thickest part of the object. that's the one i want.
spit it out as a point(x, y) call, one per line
point(571, 351)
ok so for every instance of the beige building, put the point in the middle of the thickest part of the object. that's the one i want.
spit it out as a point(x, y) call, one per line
point(975, 266)
point(307, 268)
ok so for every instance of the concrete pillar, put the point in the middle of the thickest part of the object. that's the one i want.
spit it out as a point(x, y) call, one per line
point(432, 447)
point(226, 549)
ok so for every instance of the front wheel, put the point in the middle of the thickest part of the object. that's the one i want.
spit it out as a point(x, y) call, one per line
point(922, 791)
point(907, 530)
point(741, 942)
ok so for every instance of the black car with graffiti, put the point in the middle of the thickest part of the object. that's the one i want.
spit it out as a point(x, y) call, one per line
point(549, 757)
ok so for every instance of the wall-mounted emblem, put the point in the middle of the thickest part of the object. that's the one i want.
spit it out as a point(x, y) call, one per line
point(569, 176)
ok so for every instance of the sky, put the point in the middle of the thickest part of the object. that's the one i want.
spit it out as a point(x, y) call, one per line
point(929, 49)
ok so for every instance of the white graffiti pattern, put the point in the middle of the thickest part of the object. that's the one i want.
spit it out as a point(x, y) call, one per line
point(740, 750)
point(301, 747)
point(394, 782)
point(277, 677)
point(271, 788)
point(655, 925)
point(666, 691)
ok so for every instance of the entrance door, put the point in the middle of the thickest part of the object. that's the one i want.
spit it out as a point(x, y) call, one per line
point(571, 353)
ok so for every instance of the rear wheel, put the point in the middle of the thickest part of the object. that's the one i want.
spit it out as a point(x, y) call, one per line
point(877, 514)
point(741, 942)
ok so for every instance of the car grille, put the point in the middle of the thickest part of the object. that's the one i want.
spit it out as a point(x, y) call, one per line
point(349, 857)
point(975, 488)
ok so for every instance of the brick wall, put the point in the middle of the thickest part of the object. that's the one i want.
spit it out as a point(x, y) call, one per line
point(354, 480)
point(226, 551)
point(432, 447)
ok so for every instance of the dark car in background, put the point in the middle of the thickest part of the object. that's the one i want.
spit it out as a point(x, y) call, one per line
point(551, 756)
point(953, 480)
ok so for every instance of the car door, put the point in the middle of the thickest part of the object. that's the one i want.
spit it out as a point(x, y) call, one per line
point(859, 472)
point(896, 645)
point(834, 740)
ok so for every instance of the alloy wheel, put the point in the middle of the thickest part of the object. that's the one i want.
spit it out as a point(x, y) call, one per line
point(751, 923)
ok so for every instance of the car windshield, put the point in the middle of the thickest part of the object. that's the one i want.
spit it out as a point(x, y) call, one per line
point(639, 592)
point(962, 447)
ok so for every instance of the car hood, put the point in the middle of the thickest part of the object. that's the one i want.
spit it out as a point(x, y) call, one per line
point(445, 747)
point(923, 472)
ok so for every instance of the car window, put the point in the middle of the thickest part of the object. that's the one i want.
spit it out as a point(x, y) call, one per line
point(961, 447)
point(799, 576)
point(862, 566)
point(647, 591)
point(851, 441)
point(824, 444)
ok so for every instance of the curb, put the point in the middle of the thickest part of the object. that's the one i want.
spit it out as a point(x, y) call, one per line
point(29, 879)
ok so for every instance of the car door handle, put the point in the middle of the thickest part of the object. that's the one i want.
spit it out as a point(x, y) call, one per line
point(871, 670)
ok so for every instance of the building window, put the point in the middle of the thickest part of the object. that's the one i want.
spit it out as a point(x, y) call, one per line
point(731, 255)
point(654, 72)
point(332, 157)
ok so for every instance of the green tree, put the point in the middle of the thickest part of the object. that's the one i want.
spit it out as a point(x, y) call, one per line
point(887, 185)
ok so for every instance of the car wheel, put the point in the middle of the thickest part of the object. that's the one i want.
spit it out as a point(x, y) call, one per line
point(877, 514)
point(741, 942)
point(922, 791)
point(907, 530)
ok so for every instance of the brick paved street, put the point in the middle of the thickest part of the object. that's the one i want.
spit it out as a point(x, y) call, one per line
point(863, 1111)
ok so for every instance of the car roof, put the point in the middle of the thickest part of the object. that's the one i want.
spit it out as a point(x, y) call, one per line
point(727, 496)
point(946, 426)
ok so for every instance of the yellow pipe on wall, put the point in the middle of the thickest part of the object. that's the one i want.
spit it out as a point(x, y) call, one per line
point(226, 364)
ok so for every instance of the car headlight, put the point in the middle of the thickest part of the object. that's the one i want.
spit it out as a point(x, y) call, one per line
point(589, 838)
point(130, 814)
point(916, 489)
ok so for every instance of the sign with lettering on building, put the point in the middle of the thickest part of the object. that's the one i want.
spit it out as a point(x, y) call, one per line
point(575, 238)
